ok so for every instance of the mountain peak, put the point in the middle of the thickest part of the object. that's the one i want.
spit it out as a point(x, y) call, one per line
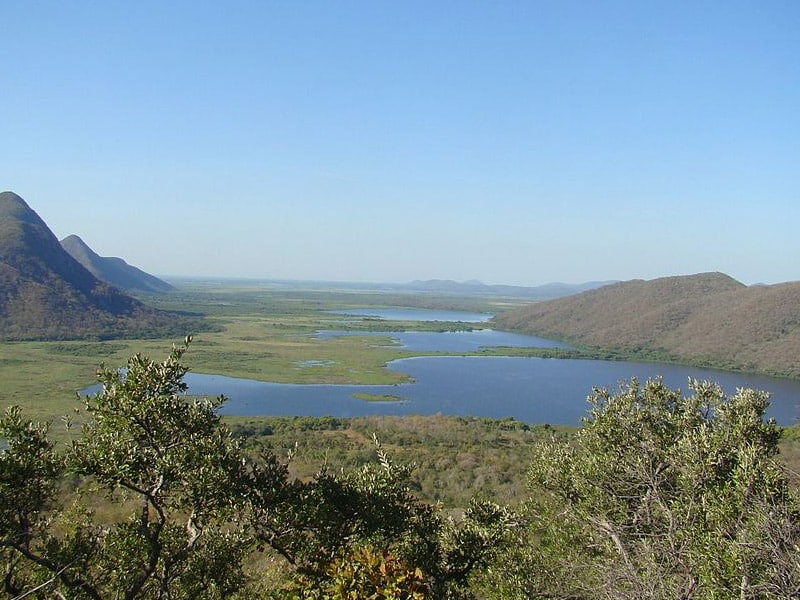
point(11, 197)
point(75, 241)
point(14, 210)
point(113, 270)
point(45, 293)
point(29, 247)
point(10, 200)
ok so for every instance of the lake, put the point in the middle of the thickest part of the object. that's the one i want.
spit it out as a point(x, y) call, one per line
point(533, 390)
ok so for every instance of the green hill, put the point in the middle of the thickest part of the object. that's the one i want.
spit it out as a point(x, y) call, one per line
point(112, 270)
point(47, 294)
point(708, 319)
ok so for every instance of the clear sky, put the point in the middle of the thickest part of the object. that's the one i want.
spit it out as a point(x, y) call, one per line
point(517, 142)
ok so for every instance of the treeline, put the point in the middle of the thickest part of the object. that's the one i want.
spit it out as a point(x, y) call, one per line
point(657, 495)
point(454, 458)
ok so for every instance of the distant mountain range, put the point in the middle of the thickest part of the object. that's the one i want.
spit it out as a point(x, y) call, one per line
point(46, 294)
point(709, 318)
point(112, 270)
point(540, 292)
point(433, 287)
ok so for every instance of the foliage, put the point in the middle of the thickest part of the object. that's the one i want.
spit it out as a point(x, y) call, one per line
point(657, 496)
point(364, 573)
point(333, 516)
point(660, 496)
point(184, 508)
point(181, 468)
point(29, 470)
point(174, 472)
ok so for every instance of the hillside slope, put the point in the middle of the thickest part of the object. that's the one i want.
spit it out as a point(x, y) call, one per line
point(47, 294)
point(708, 318)
point(112, 270)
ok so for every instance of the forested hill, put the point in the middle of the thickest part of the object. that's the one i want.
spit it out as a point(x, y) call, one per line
point(709, 318)
point(47, 294)
point(113, 270)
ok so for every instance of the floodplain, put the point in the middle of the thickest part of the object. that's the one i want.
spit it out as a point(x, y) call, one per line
point(260, 331)
point(267, 332)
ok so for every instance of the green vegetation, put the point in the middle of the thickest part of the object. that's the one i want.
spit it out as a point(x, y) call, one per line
point(454, 458)
point(252, 331)
point(378, 397)
point(659, 496)
point(186, 511)
point(656, 496)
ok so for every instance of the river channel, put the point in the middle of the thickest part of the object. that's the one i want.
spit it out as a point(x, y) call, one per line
point(533, 390)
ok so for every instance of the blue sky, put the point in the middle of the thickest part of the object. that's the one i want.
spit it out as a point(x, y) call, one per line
point(510, 142)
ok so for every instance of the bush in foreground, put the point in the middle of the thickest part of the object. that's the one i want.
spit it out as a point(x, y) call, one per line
point(660, 496)
point(183, 509)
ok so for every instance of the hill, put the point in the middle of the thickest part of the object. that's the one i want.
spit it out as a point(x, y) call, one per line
point(47, 294)
point(709, 319)
point(112, 270)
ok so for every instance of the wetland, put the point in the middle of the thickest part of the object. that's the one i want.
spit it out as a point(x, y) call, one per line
point(346, 354)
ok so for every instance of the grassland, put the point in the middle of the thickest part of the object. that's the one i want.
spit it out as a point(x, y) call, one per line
point(257, 332)
point(378, 397)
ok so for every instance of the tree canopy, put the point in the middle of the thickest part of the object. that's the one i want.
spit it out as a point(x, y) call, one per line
point(661, 495)
point(157, 500)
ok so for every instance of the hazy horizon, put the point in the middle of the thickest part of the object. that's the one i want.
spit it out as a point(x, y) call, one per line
point(212, 278)
point(517, 143)
point(340, 282)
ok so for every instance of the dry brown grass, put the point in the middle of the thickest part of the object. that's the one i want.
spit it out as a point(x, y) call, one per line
point(707, 318)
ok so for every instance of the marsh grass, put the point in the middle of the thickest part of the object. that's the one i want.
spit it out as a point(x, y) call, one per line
point(257, 333)
point(45, 378)
point(379, 397)
point(288, 352)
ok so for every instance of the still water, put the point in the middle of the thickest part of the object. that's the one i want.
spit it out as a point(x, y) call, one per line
point(533, 390)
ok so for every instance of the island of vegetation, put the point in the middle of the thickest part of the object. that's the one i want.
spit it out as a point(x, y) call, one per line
point(378, 397)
